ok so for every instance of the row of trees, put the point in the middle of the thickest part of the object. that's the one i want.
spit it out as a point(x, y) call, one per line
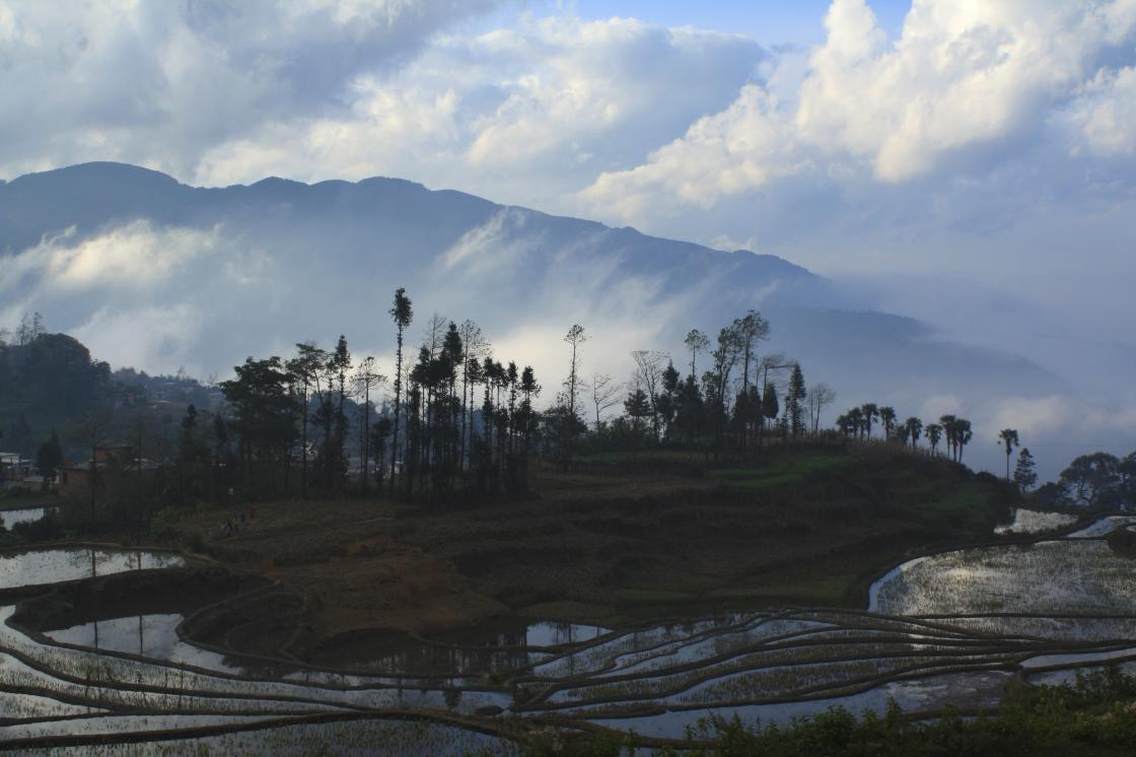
point(734, 403)
point(458, 415)
point(952, 430)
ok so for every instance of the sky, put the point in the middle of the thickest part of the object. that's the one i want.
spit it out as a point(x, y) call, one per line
point(968, 162)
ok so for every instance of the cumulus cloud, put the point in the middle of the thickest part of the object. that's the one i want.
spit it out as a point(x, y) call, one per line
point(527, 114)
point(961, 77)
point(160, 83)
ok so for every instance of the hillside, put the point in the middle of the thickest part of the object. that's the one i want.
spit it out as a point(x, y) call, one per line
point(661, 535)
point(157, 274)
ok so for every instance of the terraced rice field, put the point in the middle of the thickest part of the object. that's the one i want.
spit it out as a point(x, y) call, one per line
point(945, 629)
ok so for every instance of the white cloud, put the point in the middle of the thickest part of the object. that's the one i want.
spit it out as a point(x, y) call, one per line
point(160, 83)
point(523, 115)
point(164, 339)
point(962, 76)
point(1105, 113)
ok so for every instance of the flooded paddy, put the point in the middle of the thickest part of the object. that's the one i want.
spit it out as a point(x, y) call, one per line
point(51, 566)
point(10, 518)
point(942, 630)
point(1035, 522)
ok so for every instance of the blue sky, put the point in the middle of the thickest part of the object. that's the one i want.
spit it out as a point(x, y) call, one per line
point(771, 22)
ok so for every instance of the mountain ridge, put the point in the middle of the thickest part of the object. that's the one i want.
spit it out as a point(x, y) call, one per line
point(174, 276)
point(112, 170)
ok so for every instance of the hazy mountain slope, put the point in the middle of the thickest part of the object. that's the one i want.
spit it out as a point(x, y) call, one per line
point(151, 272)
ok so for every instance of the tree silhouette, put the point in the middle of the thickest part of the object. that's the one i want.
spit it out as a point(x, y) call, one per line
point(305, 369)
point(696, 342)
point(648, 375)
point(402, 313)
point(574, 337)
point(819, 397)
point(366, 377)
point(869, 412)
point(605, 395)
point(1009, 440)
point(887, 417)
point(962, 436)
point(49, 457)
point(950, 431)
point(794, 397)
point(1090, 477)
point(1025, 474)
point(934, 435)
point(914, 427)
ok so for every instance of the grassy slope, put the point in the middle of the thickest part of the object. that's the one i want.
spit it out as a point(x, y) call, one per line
point(647, 535)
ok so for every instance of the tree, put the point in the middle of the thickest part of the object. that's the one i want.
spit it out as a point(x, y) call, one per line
point(306, 369)
point(750, 329)
point(950, 431)
point(770, 407)
point(887, 417)
point(696, 342)
point(49, 458)
point(1009, 440)
point(402, 313)
point(574, 337)
point(367, 376)
point(475, 346)
point(526, 421)
point(869, 412)
point(913, 428)
point(725, 358)
point(605, 395)
point(339, 367)
point(1025, 474)
point(1089, 478)
point(264, 415)
point(963, 435)
point(934, 435)
point(819, 396)
point(902, 434)
point(794, 396)
point(380, 432)
point(648, 374)
point(637, 407)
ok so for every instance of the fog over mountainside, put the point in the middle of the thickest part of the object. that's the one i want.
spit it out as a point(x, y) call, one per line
point(151, 273)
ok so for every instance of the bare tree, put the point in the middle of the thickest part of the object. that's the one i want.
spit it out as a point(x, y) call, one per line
point(648, 376)
point(366, 377)
point(605, 394)
point(750, 329)
point(819, 396)
point(696, 342)
point(476, 346)
point(574, 337)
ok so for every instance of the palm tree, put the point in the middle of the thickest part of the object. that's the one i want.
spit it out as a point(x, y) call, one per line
point(887, 417)
point(1009, 440)
point(869, 412)
point(914, 427)
point(962, 436)
point(934, 434)
point(950, 429)
point(402, 313)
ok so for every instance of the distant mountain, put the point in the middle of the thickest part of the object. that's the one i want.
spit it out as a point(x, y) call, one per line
point(157, 274)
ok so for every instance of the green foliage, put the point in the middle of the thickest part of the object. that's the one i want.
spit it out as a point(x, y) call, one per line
point(46, 382)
